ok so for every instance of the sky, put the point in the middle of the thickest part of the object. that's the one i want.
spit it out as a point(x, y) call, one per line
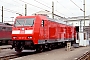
point(64, 8)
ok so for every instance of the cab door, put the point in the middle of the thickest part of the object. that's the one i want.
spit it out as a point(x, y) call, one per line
point(46, 30)
point(44, 35)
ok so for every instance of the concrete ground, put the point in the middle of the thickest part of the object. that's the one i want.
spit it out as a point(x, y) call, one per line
point(57, 54)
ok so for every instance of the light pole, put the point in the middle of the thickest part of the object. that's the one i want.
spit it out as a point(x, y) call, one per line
point(84, 16)
point(52, 9)
point(2, 14)
point(84, 13)
point(25, 9)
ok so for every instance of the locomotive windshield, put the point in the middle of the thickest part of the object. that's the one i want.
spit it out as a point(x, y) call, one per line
point(24, 22)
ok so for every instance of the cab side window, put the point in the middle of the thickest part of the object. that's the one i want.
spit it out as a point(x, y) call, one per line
point(42, 23)
point(0, 28)
point(3, 28)
point(9, 29)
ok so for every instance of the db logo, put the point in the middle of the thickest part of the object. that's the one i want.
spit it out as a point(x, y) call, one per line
point(22, 32)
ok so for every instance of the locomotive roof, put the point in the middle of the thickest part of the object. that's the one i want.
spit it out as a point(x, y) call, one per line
point(2, 23)
point(54, 20)
point(5, 24)
point(57, 20)
point(46, 18)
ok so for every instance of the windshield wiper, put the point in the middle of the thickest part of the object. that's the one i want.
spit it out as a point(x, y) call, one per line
point(18, 22)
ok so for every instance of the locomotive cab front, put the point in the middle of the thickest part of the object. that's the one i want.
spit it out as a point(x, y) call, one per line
point(22, 33)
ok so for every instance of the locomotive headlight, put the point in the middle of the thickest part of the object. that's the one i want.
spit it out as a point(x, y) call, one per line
point(29, 37)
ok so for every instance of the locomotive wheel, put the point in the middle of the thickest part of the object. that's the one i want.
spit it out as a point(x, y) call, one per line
point(59, 44)
point(40, 48)
point(0, 43)
point(50, 47)
point(18, 50)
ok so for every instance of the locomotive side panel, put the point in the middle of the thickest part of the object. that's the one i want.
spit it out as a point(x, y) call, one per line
point(5, 34)
point(36, 29)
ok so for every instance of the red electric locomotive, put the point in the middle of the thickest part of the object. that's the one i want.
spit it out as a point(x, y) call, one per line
point(5, 33)
point(40, 32)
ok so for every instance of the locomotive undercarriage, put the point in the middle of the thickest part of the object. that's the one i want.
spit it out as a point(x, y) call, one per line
point(22, 45)
point(29, 45)
point(6, 42)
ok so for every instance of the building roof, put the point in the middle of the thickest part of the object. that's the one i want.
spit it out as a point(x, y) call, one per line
point(42, 12)
point(78, 18)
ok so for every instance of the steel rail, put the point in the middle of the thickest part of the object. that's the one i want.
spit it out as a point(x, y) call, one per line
point(85, 56)
point(7, 57)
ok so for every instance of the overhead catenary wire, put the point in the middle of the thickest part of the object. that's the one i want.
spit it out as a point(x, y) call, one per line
point(61, 13)
point(49, 7)
point(10, 3)
point(23, 5)
point(12, 11)
point(18, 2)
point(42, 4)
point(31, 4)
point(9, 10)
point(64, 7)
point(76, 5)
point(45, 2)
point(81, 0)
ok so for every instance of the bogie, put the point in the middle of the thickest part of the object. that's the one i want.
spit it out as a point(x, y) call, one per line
point(40, 48)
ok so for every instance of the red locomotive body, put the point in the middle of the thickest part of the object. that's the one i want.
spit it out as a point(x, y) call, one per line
point(5, 33)
point(38, 32)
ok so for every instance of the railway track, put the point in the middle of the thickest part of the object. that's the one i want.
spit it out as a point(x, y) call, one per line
point(13, 55)
point(7, 57)
point(5, 47)
point(85, 56)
